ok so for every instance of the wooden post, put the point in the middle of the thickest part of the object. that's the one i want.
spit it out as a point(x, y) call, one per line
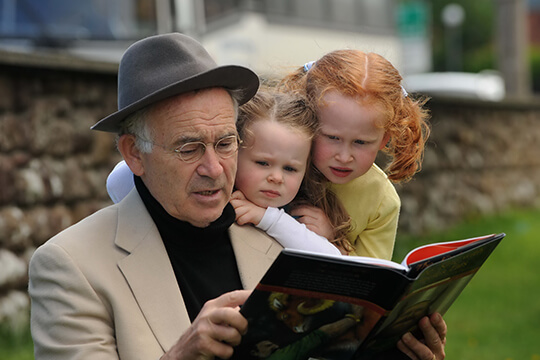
point(512, 47)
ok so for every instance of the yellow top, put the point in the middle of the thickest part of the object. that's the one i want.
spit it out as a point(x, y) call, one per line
point(373, 204)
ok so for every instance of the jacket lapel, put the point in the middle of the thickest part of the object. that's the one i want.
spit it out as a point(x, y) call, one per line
point(148, 270)
point(255, 252)
point(149, 273)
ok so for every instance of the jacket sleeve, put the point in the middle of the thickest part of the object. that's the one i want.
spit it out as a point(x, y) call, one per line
point(68, 319)
point(292, 234)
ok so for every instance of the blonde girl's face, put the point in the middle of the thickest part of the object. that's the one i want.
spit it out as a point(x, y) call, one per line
point(272, 164)
point(349, 140)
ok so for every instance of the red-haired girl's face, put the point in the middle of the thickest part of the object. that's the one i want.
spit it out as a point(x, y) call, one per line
point(349, 139)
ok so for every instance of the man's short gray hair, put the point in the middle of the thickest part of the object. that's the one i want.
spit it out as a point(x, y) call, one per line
point(136, 124)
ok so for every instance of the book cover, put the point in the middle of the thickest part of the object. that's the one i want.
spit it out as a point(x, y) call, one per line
point(311, 305)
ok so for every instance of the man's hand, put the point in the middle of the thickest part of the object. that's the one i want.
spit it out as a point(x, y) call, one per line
point(246, 211)
point(218, 327)
point(432, 346)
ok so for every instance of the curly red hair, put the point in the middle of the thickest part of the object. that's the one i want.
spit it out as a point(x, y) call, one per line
point(371, 80)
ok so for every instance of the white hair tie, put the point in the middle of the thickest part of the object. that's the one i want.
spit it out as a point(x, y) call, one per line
point(308, 66)
point(404, 92)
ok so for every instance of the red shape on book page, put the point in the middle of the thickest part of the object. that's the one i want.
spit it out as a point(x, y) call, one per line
point(430, 250)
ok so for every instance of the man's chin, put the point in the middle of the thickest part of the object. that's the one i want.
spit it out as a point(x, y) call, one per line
point(205, 216)
point(203, 222)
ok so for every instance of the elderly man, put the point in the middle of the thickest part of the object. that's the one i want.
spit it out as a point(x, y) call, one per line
point(161, 273)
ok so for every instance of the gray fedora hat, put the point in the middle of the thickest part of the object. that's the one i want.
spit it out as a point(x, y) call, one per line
point(161, 66)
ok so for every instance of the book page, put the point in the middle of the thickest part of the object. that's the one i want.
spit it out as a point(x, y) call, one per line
point(353, 259)
point(315, 305)
point(431, 250)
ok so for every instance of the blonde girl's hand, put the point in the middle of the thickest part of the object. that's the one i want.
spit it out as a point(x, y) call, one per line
point(246, 211)
point(315, 220)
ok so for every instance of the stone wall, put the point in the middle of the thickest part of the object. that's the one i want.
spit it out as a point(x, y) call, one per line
point(52, 166)
point(481, 158)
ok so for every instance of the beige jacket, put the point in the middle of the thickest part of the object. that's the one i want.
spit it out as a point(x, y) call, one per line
point(105, 289)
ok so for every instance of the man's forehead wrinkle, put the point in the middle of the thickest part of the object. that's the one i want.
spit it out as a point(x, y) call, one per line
point(204, 132)
point(196, 120)
point(195, 114)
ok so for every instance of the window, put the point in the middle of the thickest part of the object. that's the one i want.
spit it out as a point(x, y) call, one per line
point(56, 20)
point(340, 14)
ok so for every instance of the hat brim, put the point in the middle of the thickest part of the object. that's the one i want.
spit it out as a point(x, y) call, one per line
point(230, 77)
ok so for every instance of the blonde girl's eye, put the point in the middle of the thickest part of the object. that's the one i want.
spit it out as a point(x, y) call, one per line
point(290, 169)
point(332, 137)
point(359, 142)
point(261, 163)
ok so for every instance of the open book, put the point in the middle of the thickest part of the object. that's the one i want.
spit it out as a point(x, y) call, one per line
point(319, 306)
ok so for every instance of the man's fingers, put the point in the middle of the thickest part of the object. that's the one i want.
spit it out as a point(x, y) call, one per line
point(220, 325)
point(231, 299)
point(405, 349)
point(432, 347)
point(438, 323)
point(433, 338)
point(230, 333)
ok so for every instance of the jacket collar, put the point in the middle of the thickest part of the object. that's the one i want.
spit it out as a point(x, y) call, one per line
point(148, 271)
point(150, 275)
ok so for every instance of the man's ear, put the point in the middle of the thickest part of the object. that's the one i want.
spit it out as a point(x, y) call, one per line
point(385, 140)
point(130, 153)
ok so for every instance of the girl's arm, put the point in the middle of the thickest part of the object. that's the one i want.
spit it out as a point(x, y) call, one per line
point(280, 225)
point(292, 234)
point(119, 182)
point(314, 218)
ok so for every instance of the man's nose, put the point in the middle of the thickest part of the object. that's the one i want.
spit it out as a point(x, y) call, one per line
point(210, 164)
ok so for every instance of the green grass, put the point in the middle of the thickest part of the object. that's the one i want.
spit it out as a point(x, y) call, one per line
point(16, 346)
point(497, 315)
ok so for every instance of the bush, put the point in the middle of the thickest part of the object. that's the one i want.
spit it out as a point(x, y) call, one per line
point(534, 55)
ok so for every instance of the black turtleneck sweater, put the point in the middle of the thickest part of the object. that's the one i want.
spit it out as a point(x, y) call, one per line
point(202, 258)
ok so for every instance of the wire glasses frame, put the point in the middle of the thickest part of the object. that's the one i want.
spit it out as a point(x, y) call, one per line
point(193, 151)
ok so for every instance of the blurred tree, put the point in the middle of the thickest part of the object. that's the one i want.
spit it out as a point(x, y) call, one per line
point(535, 68)
point(477, 35)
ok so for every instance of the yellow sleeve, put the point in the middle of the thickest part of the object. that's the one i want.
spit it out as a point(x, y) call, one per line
point(377, 239)
point(373, 204)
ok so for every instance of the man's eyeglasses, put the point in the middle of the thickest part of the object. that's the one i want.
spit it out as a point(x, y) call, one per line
point(192, 151)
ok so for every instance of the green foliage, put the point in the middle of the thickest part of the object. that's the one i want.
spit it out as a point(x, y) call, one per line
point(535, 67)
point(16, 346)
point(496, 315)
point(477, 34)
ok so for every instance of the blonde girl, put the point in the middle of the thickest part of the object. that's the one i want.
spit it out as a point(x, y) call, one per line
point(277, 132)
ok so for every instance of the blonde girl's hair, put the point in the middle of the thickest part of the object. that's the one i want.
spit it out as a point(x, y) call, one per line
point(315, 191)
point(294, 111)
point(372, 80)
point(291, 110)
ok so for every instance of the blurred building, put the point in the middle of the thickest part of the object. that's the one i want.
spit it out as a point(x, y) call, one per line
point(270, 36)
point(534, 22)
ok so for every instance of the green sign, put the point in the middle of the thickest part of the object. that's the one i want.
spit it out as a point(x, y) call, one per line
point(412, 19)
